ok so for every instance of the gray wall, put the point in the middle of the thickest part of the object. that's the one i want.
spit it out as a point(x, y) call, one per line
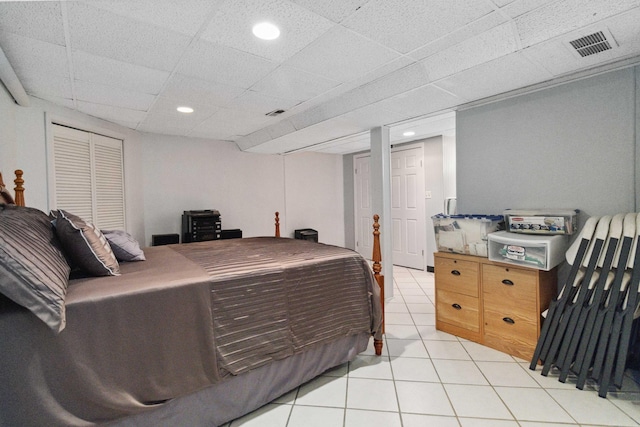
point(571, 146)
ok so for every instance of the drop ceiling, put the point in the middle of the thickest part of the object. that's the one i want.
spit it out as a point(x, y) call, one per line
point(338, 69)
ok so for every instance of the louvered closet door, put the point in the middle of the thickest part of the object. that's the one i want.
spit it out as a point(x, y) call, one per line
point(72, 171)
point(89, 179)
point(109, 182)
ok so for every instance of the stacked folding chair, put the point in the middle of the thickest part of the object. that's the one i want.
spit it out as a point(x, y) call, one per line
point(588, 327)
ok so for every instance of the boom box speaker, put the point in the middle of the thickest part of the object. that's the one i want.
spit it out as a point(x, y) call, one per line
point(164, 239)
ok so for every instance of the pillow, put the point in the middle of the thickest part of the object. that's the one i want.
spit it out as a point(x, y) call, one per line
point(85, 245)
point(123, 245)
point(32, 266)
point(5, 196)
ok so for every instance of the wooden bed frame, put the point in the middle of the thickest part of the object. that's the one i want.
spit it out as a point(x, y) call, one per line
point(19, 188)
point(376, 255)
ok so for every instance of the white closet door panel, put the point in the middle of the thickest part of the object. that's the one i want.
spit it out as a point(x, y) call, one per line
point(72, 171)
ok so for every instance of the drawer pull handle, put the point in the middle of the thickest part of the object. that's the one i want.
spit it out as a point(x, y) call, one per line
point(507, 282)
point(456, 306)
point(509, 320)
point(455, 272)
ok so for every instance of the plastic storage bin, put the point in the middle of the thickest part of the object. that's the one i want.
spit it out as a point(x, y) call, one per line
point(465, 234)
point(563, 221)
point(541, 252)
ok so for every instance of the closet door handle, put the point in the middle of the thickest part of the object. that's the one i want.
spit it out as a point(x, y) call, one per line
point(507, 282)
point(509, 320)
point(455, 272)
point(456, 306)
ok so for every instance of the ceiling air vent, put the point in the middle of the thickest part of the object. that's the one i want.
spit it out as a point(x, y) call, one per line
point(275, 113)
point(593, 43)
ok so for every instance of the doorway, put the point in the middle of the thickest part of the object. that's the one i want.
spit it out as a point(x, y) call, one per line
point(407, 206)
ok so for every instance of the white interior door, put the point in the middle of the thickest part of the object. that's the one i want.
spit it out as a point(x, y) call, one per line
point(363, 214)
point(407, 207)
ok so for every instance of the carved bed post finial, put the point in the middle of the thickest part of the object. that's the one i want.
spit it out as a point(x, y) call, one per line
point(19, 189)
point(277, 224)
point(377, 268)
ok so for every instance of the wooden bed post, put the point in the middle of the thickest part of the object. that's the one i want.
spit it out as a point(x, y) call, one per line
point(377, 267)
point(19, 189)
point(277, 224)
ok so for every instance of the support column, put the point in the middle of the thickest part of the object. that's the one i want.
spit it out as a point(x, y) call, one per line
point(381, 199)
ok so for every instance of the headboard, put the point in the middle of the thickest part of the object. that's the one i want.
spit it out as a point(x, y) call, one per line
point(18, 199)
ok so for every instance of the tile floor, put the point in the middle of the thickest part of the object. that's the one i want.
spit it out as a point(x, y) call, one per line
point(429, 378)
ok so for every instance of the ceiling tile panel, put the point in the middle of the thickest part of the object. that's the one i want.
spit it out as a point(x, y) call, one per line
point(64, 102)
point(103, 33)
point(519, 7)
point(342, 55)
point(557, 18)
point(188, 90)
point(405, 25)
point(449, 40)
point(373, 116)
point(422, 101)
point(260, 104)
point(233, 23)
point(167, 107)
point(184, 16)
point(173, 123)
point(399, 81)
point(221, 64)
point(31, 56)
point(36, 20)
point(45, 86)
point(108, 95)
point(111, 113)
point(123, 75)
point(335, 10)
point(485, 47)
point(309, 136)
point(557, 56)
point(234, 122)
point(290, 83)
point(499, 76)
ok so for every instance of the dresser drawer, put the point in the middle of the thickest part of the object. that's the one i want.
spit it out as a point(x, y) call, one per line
point(457, 276)
point(510, 286)
point(458, 309)
point(510, 327)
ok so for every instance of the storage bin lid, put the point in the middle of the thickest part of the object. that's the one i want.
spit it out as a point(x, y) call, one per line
point(481, 217)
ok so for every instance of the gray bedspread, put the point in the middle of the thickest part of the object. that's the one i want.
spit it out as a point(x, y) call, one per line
point(188, 317)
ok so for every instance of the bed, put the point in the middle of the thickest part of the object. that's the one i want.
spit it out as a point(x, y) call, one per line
point(194, 334)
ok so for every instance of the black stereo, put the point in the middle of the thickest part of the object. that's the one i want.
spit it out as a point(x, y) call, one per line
point(198, 226)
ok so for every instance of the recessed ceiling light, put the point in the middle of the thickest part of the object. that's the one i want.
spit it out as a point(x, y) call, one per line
point(409, 133)
point(185, 109)
point(266, 31)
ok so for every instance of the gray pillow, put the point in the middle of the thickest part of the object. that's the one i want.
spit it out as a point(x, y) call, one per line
point(123, 245)
point(5, 196)
point(32, 266)
point(85, 245)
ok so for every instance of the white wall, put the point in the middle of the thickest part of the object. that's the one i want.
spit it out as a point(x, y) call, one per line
point(314, 195)
point(166, 175)
point(434, 182)
point(192, 174)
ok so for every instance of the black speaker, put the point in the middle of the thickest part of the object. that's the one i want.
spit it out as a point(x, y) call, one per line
point(234, 233)
point(306, 234)
point(164, 239)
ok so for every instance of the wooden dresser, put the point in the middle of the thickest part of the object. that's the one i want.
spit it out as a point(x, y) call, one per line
point(495, 304)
